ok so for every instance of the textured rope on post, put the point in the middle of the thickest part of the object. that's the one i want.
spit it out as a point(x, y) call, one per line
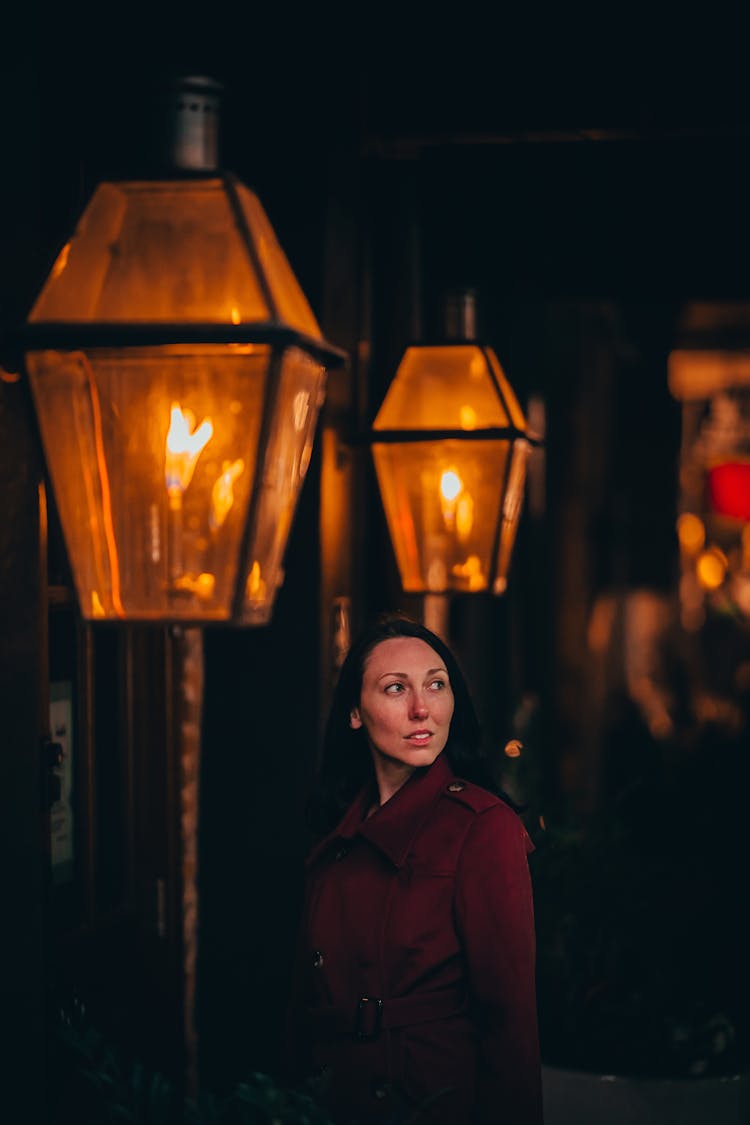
point(190, 654)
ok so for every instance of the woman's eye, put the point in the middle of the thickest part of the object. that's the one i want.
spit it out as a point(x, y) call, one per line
point(437, 684)
point(394, 688)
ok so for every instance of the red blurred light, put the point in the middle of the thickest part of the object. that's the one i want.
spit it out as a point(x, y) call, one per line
point(729, 489)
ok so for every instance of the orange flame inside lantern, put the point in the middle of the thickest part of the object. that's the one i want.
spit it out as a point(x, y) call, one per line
point(183, 448)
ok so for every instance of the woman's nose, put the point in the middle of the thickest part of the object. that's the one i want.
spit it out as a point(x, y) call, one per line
point(418, 706)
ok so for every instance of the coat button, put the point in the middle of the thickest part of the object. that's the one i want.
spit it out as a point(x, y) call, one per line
point(317, 959)
point(341, 853)
point(456, 786)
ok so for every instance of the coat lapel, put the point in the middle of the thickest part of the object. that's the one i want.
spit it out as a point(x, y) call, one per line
point(394, 826)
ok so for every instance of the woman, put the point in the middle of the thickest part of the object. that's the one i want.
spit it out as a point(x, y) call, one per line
point(414, 998)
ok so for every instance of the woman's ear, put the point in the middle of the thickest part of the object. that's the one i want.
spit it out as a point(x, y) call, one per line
point(355, 719)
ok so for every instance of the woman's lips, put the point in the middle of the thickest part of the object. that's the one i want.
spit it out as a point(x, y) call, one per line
point(419, 736)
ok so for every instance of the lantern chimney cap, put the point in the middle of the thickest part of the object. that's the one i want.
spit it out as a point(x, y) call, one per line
point(191, 109)
point(460, 315)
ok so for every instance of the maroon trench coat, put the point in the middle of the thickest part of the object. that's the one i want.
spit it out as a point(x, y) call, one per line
point(415, 983)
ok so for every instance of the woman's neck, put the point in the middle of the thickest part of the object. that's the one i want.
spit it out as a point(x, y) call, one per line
point(390, 777)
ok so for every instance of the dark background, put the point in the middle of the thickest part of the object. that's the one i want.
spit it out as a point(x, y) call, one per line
point(588, 175)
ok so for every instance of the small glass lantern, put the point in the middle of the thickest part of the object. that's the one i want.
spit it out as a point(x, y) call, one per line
point(450, 446)
point(177, 372)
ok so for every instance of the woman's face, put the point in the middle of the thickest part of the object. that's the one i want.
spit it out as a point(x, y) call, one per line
point(406, 703)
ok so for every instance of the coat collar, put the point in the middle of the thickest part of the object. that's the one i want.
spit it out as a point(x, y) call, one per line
point(394, 826)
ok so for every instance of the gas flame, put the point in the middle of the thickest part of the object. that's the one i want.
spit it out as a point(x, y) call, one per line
point(183, 447)
point(222, 494)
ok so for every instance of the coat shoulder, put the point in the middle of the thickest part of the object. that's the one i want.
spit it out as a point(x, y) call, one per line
point(488, 814)
point(472, 796)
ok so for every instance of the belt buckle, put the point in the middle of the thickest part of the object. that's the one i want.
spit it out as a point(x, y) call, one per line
point(373, 1020)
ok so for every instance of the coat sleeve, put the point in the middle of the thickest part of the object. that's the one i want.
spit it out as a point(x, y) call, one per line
point(495, 918)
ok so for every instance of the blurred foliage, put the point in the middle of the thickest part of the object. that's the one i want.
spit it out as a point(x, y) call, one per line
point(93, 1083)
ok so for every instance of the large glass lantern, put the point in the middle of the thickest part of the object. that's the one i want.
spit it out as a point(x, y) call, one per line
point(177, 372)
point(450, 447)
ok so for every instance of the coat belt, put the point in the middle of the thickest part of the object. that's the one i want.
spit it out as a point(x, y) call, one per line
point(368, 1016)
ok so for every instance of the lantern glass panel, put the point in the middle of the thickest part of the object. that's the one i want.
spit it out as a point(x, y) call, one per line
point(290, 302)
point(448, 387)
point(301, 388)
point(442, 503)
point(516, 414)
point(511, 516)
point(173, 252)
point(152, 452)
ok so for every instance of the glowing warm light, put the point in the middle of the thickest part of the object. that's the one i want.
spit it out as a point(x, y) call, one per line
point(711, 568)
point(255, 587)
point(471, 571)
point(222, 493)
point(184, 446)
point(470, 567)
point(464, 516)
point(691, 533)
point(202, 584)
point(61, 262)
point(513, 748)
point(450, 484)
point(300, 409)
point(235, 315)
point(436, 574)
point(468, 418)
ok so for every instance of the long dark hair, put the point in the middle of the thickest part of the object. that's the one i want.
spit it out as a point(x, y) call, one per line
point(346, 763)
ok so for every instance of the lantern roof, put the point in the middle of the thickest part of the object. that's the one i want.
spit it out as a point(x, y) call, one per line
point(458, 386)
point(210, 237)
point(191, 256)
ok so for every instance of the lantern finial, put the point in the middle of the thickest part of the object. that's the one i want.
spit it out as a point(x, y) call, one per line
point(460, 315)
point(191, 124)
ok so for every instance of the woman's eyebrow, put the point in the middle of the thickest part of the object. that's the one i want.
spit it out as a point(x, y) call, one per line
point(405, 675)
